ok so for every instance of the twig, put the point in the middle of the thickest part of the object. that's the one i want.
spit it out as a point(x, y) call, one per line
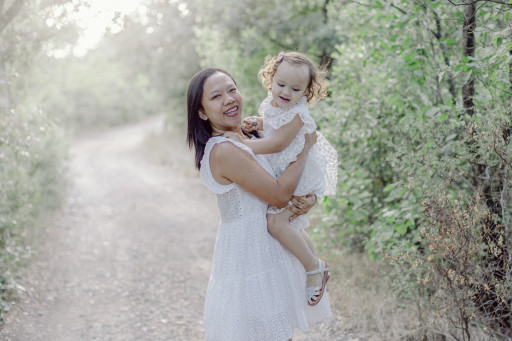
point(464, 3)
point(499, 154)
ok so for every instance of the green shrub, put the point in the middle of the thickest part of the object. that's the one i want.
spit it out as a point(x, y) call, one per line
point(32, 154)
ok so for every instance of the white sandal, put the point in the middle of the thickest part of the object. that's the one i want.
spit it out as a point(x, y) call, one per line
point(314, 294)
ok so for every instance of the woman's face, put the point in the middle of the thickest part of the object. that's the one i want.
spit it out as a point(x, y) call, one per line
point(222, 103)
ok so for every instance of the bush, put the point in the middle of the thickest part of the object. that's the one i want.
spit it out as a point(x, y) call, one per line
point(32, 154)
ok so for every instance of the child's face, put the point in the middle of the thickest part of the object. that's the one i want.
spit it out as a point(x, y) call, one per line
point(289, 84)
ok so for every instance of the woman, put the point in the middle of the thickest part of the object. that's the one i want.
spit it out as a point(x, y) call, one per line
point(256, 289)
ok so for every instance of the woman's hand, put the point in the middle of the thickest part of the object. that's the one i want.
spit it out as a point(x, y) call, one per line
point(232, 135)
point(301, 205)
point(253, 123)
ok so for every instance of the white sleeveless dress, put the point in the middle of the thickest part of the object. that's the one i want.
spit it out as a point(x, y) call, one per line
point(256, 289)
point(320, 173)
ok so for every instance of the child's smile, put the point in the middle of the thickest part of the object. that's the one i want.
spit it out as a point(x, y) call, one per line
point(289, 84)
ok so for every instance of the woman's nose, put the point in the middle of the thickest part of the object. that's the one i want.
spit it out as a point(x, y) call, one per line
point(229, 99)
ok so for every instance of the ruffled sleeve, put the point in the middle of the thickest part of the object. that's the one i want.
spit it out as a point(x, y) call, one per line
point(277, 117)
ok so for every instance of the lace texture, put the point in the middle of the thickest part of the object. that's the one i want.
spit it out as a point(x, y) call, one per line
point(257, 288)
point(320, 173)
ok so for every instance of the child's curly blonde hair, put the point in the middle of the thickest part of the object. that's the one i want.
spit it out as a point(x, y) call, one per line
point(317, 87)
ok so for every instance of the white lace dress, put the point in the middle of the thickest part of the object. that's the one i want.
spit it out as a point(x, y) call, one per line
point(321, 169)
point(257, 288)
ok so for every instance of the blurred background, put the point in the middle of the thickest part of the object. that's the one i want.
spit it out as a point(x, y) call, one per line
point(419, 111)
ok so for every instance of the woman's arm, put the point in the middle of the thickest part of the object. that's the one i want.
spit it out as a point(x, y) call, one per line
point(231, 164)
point(284, 136)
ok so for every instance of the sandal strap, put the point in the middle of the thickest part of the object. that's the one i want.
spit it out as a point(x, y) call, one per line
point(320, 269)
point(317, 271)
point(312, 293)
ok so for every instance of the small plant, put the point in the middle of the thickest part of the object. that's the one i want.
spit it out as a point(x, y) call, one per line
point(459, 270)
point(32, 153)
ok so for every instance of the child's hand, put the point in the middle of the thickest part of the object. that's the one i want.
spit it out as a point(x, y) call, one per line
point(253, 123)
point(234, 136)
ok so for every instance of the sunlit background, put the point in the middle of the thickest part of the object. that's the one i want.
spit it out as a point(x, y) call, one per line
point(417, 115)
point(99, 17)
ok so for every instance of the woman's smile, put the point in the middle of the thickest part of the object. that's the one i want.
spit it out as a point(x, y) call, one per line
point(233, 112)
point(222, 104)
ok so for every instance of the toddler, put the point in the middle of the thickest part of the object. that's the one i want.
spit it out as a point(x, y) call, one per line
point(293, 82)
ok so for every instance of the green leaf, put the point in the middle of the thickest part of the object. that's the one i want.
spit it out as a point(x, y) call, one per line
point(451, 42)
point(432, 111)
point(389, 187)
point(401, 229)
point(443, 117)
point(499, 40)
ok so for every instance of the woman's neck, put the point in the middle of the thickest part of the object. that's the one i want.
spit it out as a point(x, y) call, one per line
point(219, 132)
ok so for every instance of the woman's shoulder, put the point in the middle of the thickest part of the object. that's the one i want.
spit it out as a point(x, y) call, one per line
point(214, 151)
point(223, 146)
point(220, 147)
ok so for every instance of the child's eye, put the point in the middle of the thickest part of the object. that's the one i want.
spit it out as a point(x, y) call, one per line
point(295, 89)
point(281, 85)
point(232, 90)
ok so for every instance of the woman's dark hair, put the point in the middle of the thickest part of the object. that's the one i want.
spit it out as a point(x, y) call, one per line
point(199, 130)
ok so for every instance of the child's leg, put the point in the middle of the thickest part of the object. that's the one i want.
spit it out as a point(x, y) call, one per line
point(294, 241)
point(308, 240)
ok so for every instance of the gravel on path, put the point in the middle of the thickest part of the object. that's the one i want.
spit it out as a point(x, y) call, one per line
point(129, 254)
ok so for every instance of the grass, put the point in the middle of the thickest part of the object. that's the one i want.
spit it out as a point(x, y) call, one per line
point(360, 291)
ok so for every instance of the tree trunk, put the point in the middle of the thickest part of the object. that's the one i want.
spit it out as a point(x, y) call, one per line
point(483, 177)
point(325, 58)
point(468, 41)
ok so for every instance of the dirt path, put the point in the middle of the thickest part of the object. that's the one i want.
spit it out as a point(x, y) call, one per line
point(129, 255)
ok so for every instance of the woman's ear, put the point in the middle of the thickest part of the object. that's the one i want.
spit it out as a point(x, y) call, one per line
point(202, 115)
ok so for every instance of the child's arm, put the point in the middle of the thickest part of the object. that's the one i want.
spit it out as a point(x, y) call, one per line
point(284, 136)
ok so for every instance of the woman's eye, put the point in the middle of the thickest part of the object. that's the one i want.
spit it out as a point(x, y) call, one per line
point(215, 96)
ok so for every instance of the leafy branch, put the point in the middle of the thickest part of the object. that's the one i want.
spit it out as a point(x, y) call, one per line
point(10, 13)
point(473, 2)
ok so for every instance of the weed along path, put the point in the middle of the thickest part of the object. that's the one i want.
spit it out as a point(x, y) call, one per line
point(129, 254)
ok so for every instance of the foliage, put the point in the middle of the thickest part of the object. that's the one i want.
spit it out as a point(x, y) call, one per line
point(421, 121)
point(158, 47)
point(409, 142)
point(404, 134)
point(462, 289)
point(32, 147)
point(94, 92)
point(32, 152)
